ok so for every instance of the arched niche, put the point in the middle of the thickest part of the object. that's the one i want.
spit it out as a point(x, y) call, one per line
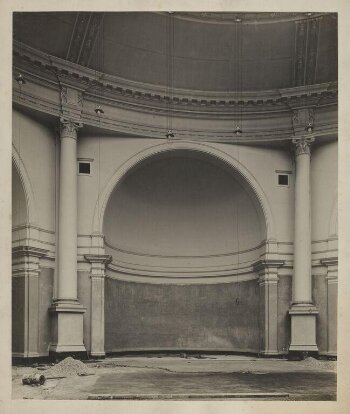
point(192, 218)
point(242, 172)
point(183, 211)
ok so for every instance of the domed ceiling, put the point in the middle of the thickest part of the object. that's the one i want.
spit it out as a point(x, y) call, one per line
point(196, 51)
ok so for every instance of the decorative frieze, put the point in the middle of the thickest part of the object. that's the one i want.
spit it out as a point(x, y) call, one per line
point(71, 103)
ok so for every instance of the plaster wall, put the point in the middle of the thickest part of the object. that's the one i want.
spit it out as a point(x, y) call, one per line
point(110, 153)
point(35, 145)
point(142, 316)
point(30, 314)
point(19, 202)
point(18, 315)
point(84, 296)
point(46, 286)
point(324, 189)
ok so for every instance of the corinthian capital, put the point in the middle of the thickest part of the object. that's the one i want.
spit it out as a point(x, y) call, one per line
point(302, 144)
point(69, 128)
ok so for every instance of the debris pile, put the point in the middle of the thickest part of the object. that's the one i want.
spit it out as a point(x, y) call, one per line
point(316, 363)
point(68, 367)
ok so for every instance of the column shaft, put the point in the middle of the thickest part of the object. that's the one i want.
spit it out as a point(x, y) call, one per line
point(67, 222)
point(302, 231)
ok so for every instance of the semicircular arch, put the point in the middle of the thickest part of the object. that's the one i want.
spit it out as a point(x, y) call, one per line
point(27, 187)
point(222, 156)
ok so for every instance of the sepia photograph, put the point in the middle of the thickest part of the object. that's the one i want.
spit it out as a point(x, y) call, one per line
point(174, 205)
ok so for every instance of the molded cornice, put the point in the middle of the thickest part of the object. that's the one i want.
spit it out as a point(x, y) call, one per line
point(55, 72)
point(141, 110)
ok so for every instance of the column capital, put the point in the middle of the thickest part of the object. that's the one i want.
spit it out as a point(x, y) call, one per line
point(303, 143)
point(98, 264)
point(98, 258)
point(262, 265)
point(69, 128)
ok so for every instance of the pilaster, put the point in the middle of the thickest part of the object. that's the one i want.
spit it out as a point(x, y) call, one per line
point(268, 300)
point(25, 296)
point(332, 303)
point(97, 275)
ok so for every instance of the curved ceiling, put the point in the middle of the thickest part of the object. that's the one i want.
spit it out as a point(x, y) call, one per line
point(196, 51)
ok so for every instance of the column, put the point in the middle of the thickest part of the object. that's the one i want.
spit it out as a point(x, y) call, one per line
point(25, 300)
point(332, 304)
point(67, 313)
point(303, 312)
point(268, 284)
point(97, 275)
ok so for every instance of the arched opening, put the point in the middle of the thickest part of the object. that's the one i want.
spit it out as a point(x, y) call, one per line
point(19, 202)
point(19, 219)
point(183, 221)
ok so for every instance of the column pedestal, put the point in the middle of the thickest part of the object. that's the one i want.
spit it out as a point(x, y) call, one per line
point(97, 274)
point(67, 327)
point(268, 283)
point(303, 324)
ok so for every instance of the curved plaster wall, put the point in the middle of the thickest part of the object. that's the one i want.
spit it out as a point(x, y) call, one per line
point(19, 203)
point(182, 206)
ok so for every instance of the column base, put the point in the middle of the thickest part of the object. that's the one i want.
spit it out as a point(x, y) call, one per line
point(303, 325)
point(67, 328)
point(269, 354)
point(98, 355)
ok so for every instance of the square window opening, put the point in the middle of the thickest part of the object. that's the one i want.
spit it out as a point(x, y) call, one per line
point(84, 168)
point(283, 179)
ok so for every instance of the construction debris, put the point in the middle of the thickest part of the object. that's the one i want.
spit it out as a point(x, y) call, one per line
point(34, 379)
point(68, 367)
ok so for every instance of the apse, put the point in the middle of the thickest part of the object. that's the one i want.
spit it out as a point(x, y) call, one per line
point(183, 204)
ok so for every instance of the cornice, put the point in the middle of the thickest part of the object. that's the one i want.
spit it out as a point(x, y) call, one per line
point(28, 251)
point(134, 127)
point(55, 72)
point(330, 261)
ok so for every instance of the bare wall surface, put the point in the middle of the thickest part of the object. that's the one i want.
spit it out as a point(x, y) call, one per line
point(142, 316)
point(45, 300)
point(35, 145)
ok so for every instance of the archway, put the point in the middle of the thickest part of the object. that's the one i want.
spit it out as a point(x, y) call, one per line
point(19, 221)
point(175, 216)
